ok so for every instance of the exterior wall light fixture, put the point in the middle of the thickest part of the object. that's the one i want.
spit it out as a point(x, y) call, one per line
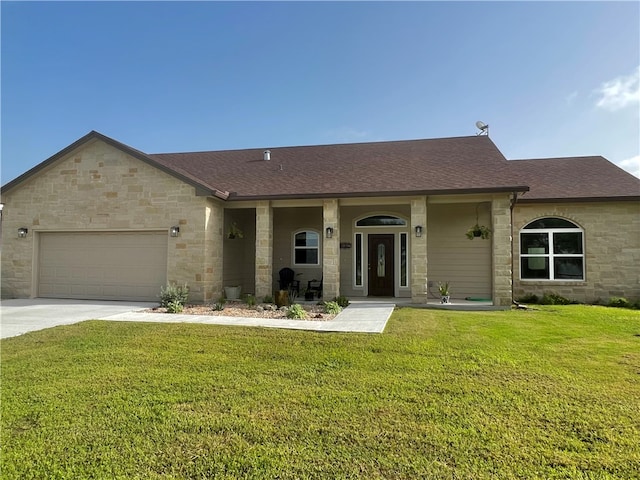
point(22, 232)
point(418, 230)
point(174, 231)
point(329, 232)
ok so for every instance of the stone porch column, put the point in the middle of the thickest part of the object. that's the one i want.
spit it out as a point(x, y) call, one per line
point(501, 253)
point(213, 268)
point(418, 250)
point(264, 249)
point(331, 249)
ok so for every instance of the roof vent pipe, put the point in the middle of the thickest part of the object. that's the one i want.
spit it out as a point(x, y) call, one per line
point(267, 155)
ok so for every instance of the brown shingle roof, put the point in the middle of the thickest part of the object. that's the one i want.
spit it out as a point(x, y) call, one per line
point(575, 178)
point(449, 165)
point(437, 166)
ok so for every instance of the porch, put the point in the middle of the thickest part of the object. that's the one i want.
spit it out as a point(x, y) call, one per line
point(396, 248)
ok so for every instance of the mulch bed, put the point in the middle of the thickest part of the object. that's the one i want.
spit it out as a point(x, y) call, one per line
point(240, 309)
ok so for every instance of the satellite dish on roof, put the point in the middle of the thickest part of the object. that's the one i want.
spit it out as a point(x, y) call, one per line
point(483, 127)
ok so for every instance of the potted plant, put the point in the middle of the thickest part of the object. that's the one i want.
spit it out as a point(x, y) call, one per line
point(232, 293)
point(282, 298)
point(478, 231)
point(234, 232)
point(443, 288)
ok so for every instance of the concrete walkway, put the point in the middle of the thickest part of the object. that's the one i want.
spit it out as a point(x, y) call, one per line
point(25, 315)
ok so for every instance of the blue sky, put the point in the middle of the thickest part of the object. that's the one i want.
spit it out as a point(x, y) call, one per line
point(550, 78)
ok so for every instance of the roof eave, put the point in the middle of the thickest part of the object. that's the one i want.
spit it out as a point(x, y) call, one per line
point(296, 196)
point(580, 199)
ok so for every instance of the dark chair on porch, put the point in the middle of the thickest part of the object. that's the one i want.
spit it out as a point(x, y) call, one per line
point(288, 280)
point(314, 287)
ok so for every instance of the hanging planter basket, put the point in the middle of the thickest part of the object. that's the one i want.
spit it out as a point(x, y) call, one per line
point(234, 232)
point(478, 231)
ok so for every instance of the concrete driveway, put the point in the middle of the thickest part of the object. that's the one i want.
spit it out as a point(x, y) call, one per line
point(27, 315)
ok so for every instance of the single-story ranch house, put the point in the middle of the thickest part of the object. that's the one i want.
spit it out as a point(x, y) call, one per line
point(102, 220)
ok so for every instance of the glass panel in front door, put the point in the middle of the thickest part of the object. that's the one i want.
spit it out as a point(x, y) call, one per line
point(381, 265)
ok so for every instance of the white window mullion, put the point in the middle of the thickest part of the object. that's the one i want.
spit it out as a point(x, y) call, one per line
point(552, 273)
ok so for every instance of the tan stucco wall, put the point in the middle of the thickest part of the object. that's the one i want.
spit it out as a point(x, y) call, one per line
point(100, 188)
point(612, 250)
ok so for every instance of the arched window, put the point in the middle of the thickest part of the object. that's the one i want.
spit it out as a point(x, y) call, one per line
point(306, 248)
point(551, 249)
point(381, 221)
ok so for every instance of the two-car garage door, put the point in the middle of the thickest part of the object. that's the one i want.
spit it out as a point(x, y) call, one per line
point(102, 266)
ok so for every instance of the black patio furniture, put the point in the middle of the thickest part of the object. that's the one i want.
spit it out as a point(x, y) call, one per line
point(288, 280)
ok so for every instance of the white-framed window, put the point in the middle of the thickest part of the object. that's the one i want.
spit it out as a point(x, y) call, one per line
point(381, 221)
point(552, 249)
point(306, 248)
point(404, 266)
point(359, 261)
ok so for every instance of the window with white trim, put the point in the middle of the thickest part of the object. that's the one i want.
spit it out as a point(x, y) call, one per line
point(306, 248)
point(404, 267)
point(359, 261)
point(381, 221)
point(552, 249)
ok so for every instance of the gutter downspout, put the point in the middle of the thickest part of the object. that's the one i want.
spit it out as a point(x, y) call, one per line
point(514, 200)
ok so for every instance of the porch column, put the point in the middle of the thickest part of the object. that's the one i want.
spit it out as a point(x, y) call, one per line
point(213, 264)
point(264, 249)
point(331, 249)
point(419, 250)
point(501, 253)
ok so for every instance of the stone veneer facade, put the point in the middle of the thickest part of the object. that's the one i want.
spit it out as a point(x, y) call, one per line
point(419, 284)
point(117, 192)
point(264, 249)
point(612, 250)
point(502, 261)
point(331, 249)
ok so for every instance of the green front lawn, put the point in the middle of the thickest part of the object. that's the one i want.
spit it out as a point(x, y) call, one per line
point(553, 393)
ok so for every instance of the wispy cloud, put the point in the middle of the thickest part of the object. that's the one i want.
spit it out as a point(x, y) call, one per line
point(631, 165)
point(620, 92)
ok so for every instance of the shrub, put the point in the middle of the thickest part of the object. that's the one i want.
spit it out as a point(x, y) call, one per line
point(173, 293)
point(293, 294)
point(529, 298)
point(332, 308)
point(218, 306)
point(342, 301)
point(267, 299)
point(296, 311)
point(174, 307)
point(619, 302)
point(250, 300)
point(554, 299)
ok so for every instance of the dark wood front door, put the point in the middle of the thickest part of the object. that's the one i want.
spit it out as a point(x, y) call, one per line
point(381, 266)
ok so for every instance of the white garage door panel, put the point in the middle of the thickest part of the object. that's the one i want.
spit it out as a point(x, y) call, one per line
point(104, 266)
